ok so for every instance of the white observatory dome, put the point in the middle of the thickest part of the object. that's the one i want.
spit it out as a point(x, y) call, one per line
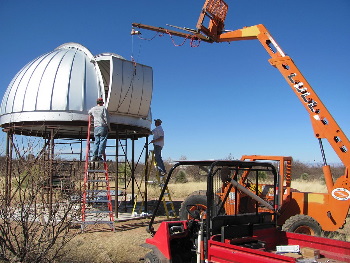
point(58, 88)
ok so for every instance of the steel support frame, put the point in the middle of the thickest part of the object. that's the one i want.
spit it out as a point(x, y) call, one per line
point(48, 150)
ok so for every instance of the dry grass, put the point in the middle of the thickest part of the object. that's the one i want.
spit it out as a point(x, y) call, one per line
point(102, 245)
point(310, 186)
point(179, 190)
point(183, 190)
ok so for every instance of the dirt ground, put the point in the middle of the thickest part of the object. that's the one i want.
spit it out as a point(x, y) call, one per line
point(100, 244)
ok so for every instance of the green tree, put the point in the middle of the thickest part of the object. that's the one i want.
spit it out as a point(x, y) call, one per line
point(262, 175)
point(304, 176)
point(181, 177)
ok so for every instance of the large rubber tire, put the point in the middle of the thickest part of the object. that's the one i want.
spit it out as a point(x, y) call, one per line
point(302, 224)
point(198, 198)
point(151, 258)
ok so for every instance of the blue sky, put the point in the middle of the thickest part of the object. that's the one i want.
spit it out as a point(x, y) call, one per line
point(215, 100)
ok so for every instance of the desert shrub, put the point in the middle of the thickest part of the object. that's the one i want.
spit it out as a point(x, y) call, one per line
point(34, 225)
point(262, 175)
point(304, 176)
point(181, 177)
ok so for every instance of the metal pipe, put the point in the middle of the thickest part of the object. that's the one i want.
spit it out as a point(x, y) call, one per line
point(133, 169)
point(251, 194)
point(51, 154)
point(146, 174)
point(9, 143)
point(116, 199)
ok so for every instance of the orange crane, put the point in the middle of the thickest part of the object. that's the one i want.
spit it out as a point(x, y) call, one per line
point(328, 210)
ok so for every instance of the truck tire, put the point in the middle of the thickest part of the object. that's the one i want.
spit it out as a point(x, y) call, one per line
point(302, 224)
point(151, 258)
point(198, 198)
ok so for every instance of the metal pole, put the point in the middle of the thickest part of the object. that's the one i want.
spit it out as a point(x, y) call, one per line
point(116, 172)
point(133, 169)
point(51, 153)
point(146, 174)
point(8, 186)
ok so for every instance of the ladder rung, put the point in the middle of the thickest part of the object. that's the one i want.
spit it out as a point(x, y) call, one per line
point(97, 222)
point(95, 181)
point(97, 161)
point(96, 171)
point(98, 212)
point(97, 177)
point(97, 201)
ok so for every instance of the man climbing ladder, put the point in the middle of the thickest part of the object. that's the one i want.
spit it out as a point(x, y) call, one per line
point(153, 176)
point(101, 128)
point(158, 144)
point(97, 201)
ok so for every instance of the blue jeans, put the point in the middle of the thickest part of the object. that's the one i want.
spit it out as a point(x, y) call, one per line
point(158, 157)
point(100, 134)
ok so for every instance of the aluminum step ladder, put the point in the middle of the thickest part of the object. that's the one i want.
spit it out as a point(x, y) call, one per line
point(159, 179)
point(96, 201)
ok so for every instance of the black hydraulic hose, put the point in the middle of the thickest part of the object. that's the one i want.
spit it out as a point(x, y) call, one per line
point(322, 152)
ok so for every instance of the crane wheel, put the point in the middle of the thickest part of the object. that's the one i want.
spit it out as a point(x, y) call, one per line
point(302, 224)
point(196, 201)
point(151, 258)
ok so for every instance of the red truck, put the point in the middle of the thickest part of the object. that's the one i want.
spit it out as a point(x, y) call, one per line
point(214, 236)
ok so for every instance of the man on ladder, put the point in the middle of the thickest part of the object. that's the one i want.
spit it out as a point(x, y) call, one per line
point(101, 128)
point(158, 144)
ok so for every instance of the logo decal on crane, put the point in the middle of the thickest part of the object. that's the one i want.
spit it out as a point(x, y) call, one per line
point(299, 86)
point(341, 194)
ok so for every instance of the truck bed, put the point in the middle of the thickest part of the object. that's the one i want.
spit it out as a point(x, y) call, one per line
point(261, 247)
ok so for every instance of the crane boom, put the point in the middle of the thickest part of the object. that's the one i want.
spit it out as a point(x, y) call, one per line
point(324, 125)
point(328, 210)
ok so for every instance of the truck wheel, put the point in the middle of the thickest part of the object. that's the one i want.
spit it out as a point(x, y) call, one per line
point(151, 258)
point(302, 224)
point(198, 200)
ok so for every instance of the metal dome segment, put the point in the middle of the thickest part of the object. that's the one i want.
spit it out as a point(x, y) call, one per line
point(128, 85)
point(72, 45)
point(65, 80)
